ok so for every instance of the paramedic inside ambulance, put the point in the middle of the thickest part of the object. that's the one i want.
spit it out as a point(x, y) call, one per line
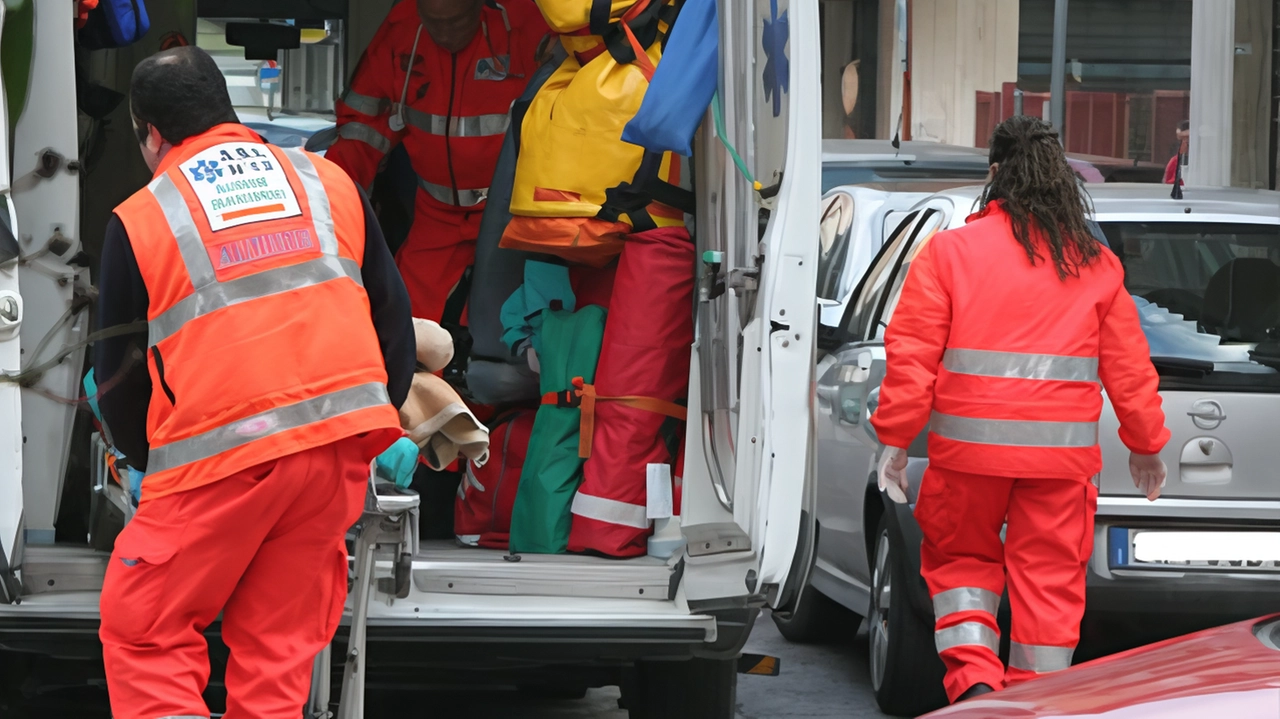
point(439, 77)
point(1005, 328)
point(277, 343)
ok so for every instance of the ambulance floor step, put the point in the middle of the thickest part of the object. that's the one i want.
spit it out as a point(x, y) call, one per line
point(446, 567)
point(62, 568)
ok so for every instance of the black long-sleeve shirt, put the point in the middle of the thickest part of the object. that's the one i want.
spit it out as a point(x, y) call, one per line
point(120, 366)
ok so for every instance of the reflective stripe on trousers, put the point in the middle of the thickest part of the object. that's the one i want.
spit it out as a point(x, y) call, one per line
point(366, 134)
point(965, 599)
point(1018, 365)
point(1040, 659)
point(475, 126)
point(465, 198)
point(1014, 433)
point(265, 424)
point(610, 511)
point(364, 104)
point(211, 295)
point(967, 634)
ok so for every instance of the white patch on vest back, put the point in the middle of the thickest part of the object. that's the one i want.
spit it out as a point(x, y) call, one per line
point(240, 182)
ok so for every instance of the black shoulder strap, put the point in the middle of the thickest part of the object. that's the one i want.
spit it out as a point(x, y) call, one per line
point(633, 198)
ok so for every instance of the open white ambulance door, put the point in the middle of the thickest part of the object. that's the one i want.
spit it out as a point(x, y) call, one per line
point(11, 504)
point(748, 488)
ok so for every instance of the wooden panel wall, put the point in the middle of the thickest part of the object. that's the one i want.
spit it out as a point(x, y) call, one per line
point(1251, 112)
point(958, 47)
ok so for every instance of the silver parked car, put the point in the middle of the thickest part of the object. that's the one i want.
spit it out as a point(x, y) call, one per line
point(1204, 272)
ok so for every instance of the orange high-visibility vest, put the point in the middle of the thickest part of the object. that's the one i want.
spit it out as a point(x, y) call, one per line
point(261, 341)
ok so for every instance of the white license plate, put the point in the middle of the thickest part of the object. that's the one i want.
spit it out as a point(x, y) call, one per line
point(1207, 548)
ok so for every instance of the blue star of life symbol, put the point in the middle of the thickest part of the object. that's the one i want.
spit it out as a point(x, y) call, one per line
point(777, 68)
point(206, 170)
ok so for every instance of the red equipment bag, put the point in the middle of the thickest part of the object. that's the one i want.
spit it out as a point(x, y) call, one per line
point(631, 416)
point(486, 495)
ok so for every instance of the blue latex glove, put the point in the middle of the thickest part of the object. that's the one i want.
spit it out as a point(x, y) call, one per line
point(398, 463)
point(91, 392)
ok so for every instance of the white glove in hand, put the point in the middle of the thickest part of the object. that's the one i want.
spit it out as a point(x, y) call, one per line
point(1148, 473)
point(893, 474)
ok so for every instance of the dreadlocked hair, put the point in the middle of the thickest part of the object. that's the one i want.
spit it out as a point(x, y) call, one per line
point(1038, 190)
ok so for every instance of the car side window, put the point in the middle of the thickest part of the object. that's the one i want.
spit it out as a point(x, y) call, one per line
point(834, 233)
point(925, 230)
point(873, 285)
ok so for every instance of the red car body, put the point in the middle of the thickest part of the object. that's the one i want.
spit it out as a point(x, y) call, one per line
point(1231, 672)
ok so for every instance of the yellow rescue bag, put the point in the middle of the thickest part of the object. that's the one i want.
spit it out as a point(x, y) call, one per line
point(579, 189)
point(565, 16)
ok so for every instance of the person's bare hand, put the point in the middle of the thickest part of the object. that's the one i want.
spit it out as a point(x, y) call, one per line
point(1148, 473)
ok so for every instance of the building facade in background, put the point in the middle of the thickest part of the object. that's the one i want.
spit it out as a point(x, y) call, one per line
point(951, 70)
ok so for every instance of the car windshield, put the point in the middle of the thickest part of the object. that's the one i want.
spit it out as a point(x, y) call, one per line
point(890, 176)
point(1208, 295)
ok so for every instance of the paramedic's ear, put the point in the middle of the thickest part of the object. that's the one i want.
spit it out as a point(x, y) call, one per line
point(992, 172)
point(154, 147)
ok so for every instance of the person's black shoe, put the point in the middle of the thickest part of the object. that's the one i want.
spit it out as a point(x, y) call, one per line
point(976, 690)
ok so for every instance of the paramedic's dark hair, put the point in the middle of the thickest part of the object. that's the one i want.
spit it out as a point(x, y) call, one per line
point(1041, 194)
point(181, 92)
point(1184, 125)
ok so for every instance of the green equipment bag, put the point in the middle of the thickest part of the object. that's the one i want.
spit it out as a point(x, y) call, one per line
point(552, 470)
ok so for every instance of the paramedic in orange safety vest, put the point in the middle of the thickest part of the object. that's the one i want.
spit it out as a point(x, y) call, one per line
point(1004, 329)
point(278, 343)
point(439, 76)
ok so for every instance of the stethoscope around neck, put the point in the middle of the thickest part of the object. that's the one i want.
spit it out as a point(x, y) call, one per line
point(501, 70)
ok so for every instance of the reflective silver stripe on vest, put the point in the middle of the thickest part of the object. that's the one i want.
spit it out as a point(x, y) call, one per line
point(366, 134)
point(1018, 365)
point(317, 199)
point(476, 126)
point(611, 511)
point(364, 104)
point(965, 599)
point(965, 635)
point(250, 287)
point(1014, 433)
point(178, 214)
point(466, 198)
point(1039, 658)
point(272, 422)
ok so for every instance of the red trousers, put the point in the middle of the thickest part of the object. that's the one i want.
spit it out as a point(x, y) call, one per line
point(1048, 540)
point(263, 547)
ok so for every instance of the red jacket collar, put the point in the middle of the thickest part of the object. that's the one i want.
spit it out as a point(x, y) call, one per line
point(994, 206)
point(216, 135)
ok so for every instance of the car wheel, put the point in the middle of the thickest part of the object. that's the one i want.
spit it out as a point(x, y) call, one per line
point(816, 618)
point(906, 672)
point(691, 689)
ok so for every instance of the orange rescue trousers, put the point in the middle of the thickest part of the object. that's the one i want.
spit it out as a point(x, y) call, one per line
point(265, 547)
point(1048, 541)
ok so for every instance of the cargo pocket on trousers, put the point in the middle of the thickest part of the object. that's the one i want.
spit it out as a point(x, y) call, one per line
point(934, 514)
point(1090, 509)
point(137, 579)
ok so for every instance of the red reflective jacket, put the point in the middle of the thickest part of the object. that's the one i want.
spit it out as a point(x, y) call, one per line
point(454, 117)
point(1002, 359)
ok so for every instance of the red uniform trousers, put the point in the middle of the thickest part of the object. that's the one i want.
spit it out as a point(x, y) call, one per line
point(440, 247)
point(1048, 541)
point(265, 548)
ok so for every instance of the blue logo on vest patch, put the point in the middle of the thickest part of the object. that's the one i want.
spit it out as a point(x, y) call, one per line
point(205, 171)
point(238, 252)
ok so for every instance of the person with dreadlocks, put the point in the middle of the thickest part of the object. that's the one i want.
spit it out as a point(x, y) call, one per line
point(1004, 329)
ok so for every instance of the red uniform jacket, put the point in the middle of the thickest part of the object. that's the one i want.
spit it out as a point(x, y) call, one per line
point(1002, 359)
point(452, 123)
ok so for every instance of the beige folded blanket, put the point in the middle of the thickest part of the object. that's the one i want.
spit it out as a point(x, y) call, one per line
point(435, 417)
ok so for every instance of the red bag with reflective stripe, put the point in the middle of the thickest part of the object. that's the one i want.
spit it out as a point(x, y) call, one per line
point(646, 351)
point(486, 495)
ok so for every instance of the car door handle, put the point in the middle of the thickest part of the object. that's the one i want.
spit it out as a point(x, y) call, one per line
point(1209, 415)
